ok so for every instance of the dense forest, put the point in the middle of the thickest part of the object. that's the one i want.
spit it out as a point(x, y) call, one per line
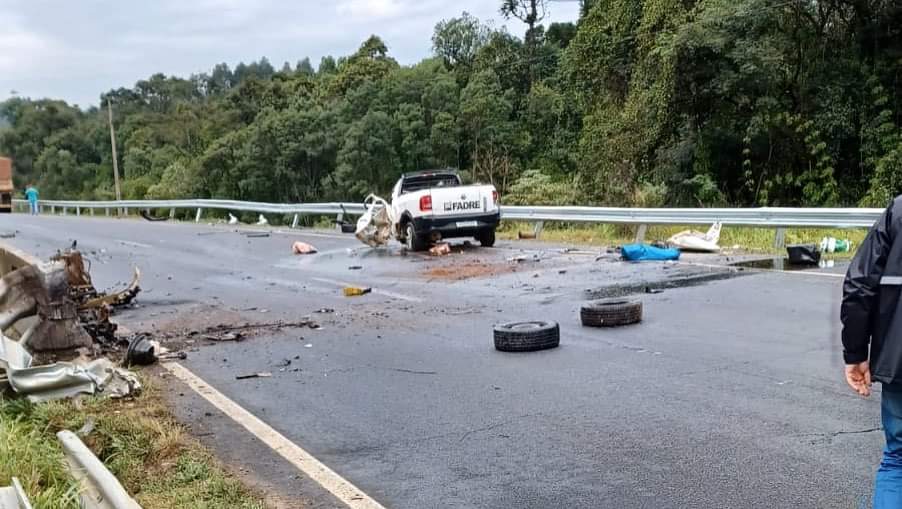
point(638, 103)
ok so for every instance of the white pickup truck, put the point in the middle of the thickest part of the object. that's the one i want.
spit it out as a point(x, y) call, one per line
point(428, 206)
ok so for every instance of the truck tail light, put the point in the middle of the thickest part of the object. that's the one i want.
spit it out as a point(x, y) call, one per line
point(425, 203)
point(495, 197)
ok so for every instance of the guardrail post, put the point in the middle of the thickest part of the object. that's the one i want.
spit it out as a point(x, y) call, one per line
point(540, 225)
point(294, 222)
point(197, 217)
point(65, 211)
point(107, 211)
point(92, 210)
point(780, 238)
point(53, 209)
point(640, 233)
point(172, 213)
point(78, 211)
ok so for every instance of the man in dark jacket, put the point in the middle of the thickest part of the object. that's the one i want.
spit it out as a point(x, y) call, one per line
point(871, 318)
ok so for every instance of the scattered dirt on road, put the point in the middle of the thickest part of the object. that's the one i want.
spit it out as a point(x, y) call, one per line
point(468, 270)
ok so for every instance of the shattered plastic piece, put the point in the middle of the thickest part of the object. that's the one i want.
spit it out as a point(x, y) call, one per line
point(374, 228)
point(261, 221)
point(526, 235)
point(355, 267)
point(691, 240)
point(644, 252)
point(440, 250)
point(353, 291)
point(302, 248)
point(232, 219)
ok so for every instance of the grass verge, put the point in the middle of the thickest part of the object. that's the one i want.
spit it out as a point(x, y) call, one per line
point(138, 440)
point(752, 240)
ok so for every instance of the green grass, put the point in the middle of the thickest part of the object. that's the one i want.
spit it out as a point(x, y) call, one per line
point(750, 240)
point(138, 440)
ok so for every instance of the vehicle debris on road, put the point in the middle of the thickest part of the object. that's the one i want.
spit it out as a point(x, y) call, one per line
point(232, 219)
point(262, 221)
point(141, 351)
point(254, 375)
point(302, 248)
point(354, 291)
point(803, 254)
point(62, 379)
point(374, 226)
point(691, 240)
point(645, 252)
point(442, 249)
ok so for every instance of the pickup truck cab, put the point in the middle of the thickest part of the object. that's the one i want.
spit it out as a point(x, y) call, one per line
point(432, 205)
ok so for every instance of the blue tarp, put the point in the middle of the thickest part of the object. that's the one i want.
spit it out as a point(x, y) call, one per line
point(645, 252)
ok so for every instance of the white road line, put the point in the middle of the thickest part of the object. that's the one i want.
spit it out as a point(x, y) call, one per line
point(335, 484)
point(386, 293)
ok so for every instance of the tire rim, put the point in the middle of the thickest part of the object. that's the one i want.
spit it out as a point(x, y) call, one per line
point(526, 326)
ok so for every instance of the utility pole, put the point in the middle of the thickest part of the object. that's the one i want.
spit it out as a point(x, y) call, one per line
point(109, 107)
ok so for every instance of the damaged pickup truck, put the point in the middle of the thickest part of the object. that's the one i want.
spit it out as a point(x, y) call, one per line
point(432, 205)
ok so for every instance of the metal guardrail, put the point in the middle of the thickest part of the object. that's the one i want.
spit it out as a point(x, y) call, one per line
point(101, 489)
point(761, 217)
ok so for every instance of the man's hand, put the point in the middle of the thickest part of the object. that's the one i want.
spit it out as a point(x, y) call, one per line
point(858, 376)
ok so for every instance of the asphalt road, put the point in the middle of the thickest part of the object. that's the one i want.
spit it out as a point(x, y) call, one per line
point(729, 394)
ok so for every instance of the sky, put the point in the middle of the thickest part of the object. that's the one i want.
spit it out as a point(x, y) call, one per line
point(75, 50)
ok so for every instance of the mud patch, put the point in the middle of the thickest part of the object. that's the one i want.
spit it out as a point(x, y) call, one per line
point(468, 270)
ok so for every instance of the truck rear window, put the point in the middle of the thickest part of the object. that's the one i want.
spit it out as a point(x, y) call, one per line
point(418, 183)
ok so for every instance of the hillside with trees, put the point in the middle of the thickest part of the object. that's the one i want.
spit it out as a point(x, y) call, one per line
point(639, 103)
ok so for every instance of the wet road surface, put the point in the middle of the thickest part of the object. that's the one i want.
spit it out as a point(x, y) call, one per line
point(729, 394)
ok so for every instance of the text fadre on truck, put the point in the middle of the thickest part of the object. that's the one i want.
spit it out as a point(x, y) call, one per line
point(429, 206)
point(433, 205)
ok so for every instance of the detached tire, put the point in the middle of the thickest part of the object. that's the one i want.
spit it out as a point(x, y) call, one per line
point(527, 336)
point(611, 313)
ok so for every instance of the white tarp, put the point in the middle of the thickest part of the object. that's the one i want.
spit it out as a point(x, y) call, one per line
point(691, 240)
point(62, 379)
point(374, 226)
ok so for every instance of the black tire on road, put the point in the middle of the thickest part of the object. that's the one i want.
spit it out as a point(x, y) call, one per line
point(414, 242)
point(527, 336)
point(611, 313)
point(486, 238)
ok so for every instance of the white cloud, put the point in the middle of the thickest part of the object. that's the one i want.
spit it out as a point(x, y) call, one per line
point(362, 9)
point(77, 50)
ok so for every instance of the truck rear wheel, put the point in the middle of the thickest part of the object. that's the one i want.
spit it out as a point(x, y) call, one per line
point(486, 238)
point(414, 241)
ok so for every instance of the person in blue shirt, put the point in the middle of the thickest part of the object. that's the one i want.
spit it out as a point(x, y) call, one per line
point(32, 195)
